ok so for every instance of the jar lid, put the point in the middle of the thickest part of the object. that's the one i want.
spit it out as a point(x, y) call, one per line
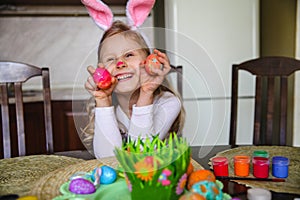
point(241, 158)
point(280, 160)
point(260, 160)
point(260, 153)
point(219, 161)
point(258, 194)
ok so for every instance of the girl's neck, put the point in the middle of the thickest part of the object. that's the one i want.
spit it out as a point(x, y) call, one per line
point(126, 101)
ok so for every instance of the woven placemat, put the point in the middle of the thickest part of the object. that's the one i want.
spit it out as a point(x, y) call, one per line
point(17, 175)
point(48, 186)
point(292, 183)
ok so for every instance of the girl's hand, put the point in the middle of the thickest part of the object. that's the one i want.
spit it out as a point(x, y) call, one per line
point(149, 83)
point(103, 97)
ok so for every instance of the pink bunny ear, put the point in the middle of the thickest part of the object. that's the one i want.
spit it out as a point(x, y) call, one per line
point(100, 13)
point(137, 11)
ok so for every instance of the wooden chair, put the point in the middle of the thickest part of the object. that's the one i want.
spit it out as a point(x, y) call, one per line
point(178, 71)
point(271, 98)
point(14, 73)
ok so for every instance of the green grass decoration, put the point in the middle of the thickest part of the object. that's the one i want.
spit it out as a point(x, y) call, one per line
point(153, 167)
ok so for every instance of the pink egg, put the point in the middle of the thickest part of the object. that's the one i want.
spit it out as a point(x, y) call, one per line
point(102, 78)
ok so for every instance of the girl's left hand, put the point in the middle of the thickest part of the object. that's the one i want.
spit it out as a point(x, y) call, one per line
point(149, 83)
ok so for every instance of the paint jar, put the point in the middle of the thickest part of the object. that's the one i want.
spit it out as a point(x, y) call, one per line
point(241, 165)
point(220, 166)
point(260, 153)
point(260, 167)
point(280, 166)
point(258, 194)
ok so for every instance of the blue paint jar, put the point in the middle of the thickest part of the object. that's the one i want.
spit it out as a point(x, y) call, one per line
point(280, 166)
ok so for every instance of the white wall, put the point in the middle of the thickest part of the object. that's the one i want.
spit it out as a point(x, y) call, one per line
point(67, 45)
point(207, 37)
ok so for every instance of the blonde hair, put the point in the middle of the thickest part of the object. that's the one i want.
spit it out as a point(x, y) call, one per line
point(118, 27)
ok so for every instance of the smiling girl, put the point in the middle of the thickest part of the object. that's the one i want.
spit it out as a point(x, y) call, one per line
point(144, 105)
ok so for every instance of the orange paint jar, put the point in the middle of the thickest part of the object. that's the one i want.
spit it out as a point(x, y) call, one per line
point(241, 165)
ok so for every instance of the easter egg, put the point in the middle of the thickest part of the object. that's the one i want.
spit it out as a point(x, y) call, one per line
point(190, 169)
point(191, 196)
point(81, 186)
point(25, 198)
point(200, 175)
point(108, 175)
point(152, 62)
point(102, 78)
point(208, 189)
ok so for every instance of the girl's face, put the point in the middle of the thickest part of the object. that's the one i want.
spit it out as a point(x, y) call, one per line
point(122, 57)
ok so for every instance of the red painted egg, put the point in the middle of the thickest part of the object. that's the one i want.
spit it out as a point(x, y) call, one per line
point(152, 62)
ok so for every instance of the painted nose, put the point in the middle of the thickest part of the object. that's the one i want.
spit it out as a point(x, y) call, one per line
point(121, 64)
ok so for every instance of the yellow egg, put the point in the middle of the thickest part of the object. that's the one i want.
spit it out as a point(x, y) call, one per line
point(28, 198)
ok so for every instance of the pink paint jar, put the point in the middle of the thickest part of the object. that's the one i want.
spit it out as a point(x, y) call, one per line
point(220, 166)
point(260, 167)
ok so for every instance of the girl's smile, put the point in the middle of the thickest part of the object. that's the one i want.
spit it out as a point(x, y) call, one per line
point(124, 76)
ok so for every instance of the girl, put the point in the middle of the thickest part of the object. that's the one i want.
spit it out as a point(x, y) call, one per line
point(137, 104)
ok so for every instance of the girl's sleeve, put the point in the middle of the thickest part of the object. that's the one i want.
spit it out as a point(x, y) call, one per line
point(106, 134)
point(154, 119)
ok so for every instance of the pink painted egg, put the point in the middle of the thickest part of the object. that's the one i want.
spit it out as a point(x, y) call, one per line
point(102, 78)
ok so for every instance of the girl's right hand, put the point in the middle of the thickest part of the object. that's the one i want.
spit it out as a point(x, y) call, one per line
point(103, 97)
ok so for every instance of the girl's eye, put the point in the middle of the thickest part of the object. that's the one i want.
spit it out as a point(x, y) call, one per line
point(108, 62)
point(128, 55)
point(109, 59)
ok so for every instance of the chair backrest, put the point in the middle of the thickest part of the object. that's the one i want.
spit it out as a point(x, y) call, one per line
point(271, 98)
point(14, 73)
point(178, 71)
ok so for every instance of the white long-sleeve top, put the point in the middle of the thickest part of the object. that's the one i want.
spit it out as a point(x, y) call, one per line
point(153, 119)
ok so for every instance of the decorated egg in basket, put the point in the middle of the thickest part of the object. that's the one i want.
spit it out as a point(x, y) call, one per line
point(104, 175)
point(81, 186)
point(208, 189)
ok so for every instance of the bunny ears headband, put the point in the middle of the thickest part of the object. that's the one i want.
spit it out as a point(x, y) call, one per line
point(137, 12)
